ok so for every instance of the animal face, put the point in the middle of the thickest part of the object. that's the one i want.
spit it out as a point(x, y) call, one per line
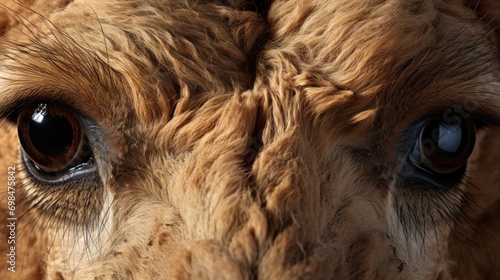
point(210, 139)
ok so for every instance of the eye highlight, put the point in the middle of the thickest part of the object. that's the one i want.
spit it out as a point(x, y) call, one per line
point(52, 138)
point(444, 144)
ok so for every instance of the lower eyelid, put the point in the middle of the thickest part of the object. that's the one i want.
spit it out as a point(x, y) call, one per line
point(86, 172)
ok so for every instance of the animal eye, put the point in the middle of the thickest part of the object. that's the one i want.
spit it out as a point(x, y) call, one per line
point(444, 144)
point(52, 138)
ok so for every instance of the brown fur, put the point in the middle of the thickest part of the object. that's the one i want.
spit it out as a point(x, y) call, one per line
point(237, 145)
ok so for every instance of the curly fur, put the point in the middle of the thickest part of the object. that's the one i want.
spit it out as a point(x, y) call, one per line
point(253, 139)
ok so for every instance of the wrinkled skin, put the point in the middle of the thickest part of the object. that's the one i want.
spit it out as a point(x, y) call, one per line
point(240, 140)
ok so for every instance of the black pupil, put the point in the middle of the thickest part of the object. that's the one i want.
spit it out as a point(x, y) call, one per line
point(443, 138)
point(52, 135)
point(450, 138)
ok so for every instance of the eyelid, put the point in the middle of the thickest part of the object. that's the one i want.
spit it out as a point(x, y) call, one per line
point(90, 170)
point(480, 116)
point(12, 105)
